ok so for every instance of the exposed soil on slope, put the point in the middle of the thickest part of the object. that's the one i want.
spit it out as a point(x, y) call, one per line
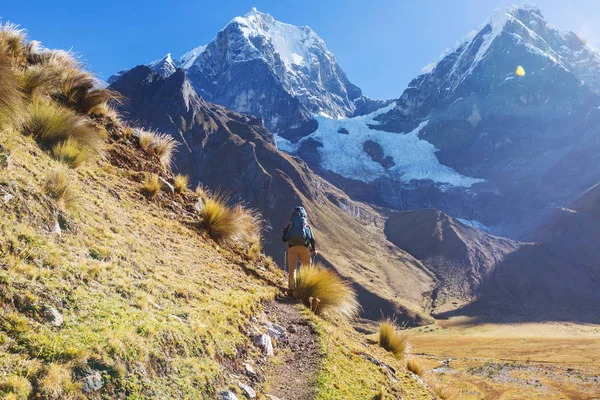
point(295, 377)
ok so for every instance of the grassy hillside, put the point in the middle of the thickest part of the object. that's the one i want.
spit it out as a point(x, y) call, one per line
point(110, 287)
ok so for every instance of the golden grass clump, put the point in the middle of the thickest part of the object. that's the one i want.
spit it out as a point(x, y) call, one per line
point(70, 152)
point(324, 291)
point(251, 224)
point(202, 192)
point(10, 97)
point(220, 221)
point(13, 40)
point(253, 252)
point(236, 224)
point(50, 124)
point(414, 366)
point(54, 382)
point(16, 387)
point(152, 186)
point(181, 183)
point(162, 145)
point(391, 339)
point(442, 391)
point(58, 186)
point(80, 91)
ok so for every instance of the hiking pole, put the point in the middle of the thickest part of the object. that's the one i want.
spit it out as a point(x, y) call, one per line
point(285, 257)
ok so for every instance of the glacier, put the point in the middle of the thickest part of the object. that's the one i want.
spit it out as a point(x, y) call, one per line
point(343, 153)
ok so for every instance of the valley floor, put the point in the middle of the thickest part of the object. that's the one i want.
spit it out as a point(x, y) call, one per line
point(551, 360)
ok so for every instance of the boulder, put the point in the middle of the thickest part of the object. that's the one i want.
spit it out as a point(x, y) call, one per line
point(248, 391)
point(227, 395)
point(54, 316)
point(264, 342)
point(93, 382)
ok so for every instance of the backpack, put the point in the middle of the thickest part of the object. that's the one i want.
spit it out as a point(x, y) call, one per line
point(298, 232)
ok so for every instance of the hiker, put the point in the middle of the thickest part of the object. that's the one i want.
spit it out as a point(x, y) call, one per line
point(299, 238)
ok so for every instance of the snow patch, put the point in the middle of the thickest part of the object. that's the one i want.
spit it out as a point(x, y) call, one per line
point(414, 158)
point(475, 224)
point(188, 59)
point(290, 41)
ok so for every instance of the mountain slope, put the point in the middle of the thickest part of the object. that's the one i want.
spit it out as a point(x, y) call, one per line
point(235, 153)
point(110, 285)
point(495, 278)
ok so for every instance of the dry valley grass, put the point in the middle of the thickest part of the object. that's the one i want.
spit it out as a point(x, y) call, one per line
point(515, 361)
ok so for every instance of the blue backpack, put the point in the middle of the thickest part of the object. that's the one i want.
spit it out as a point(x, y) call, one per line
point(298, 232)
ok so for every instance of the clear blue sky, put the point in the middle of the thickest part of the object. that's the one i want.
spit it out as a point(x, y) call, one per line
point(381, 44)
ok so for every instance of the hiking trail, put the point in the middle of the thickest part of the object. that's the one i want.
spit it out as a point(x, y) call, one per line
point(295, 376)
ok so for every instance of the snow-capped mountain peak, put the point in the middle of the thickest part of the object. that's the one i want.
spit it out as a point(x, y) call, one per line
point(525, 26)
point(291, 42)
point(277, 71)
point(165, 67)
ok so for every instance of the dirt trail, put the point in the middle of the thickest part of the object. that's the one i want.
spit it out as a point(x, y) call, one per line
point(295, 377)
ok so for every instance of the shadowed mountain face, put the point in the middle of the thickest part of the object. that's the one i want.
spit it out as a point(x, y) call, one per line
point(575, 230)
point(235, 153)
point(495, 278)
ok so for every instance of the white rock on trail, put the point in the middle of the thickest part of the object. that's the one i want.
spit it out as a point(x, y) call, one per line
point(275, 331)
point(227, 395)
point(248, 391)
point(55, 316)
point(264, 342)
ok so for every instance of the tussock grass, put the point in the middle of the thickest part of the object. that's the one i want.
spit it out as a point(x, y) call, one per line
point(70, 152)
point(152, 186)
point(55, 382)
point(251, 225)
point(15, 387)
point(181, 183)
point(391, 339)
point(442, 391)
point(50, 124)
point(236, 224)
point(13, 40)
point(254, 251)
point(162, 145)
point(9, 94)
point(38, 80)
point(220, 221)
point(414, 366)
point(324, 291)
point(58, 186)
point(80, 91)
point(202, 192)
